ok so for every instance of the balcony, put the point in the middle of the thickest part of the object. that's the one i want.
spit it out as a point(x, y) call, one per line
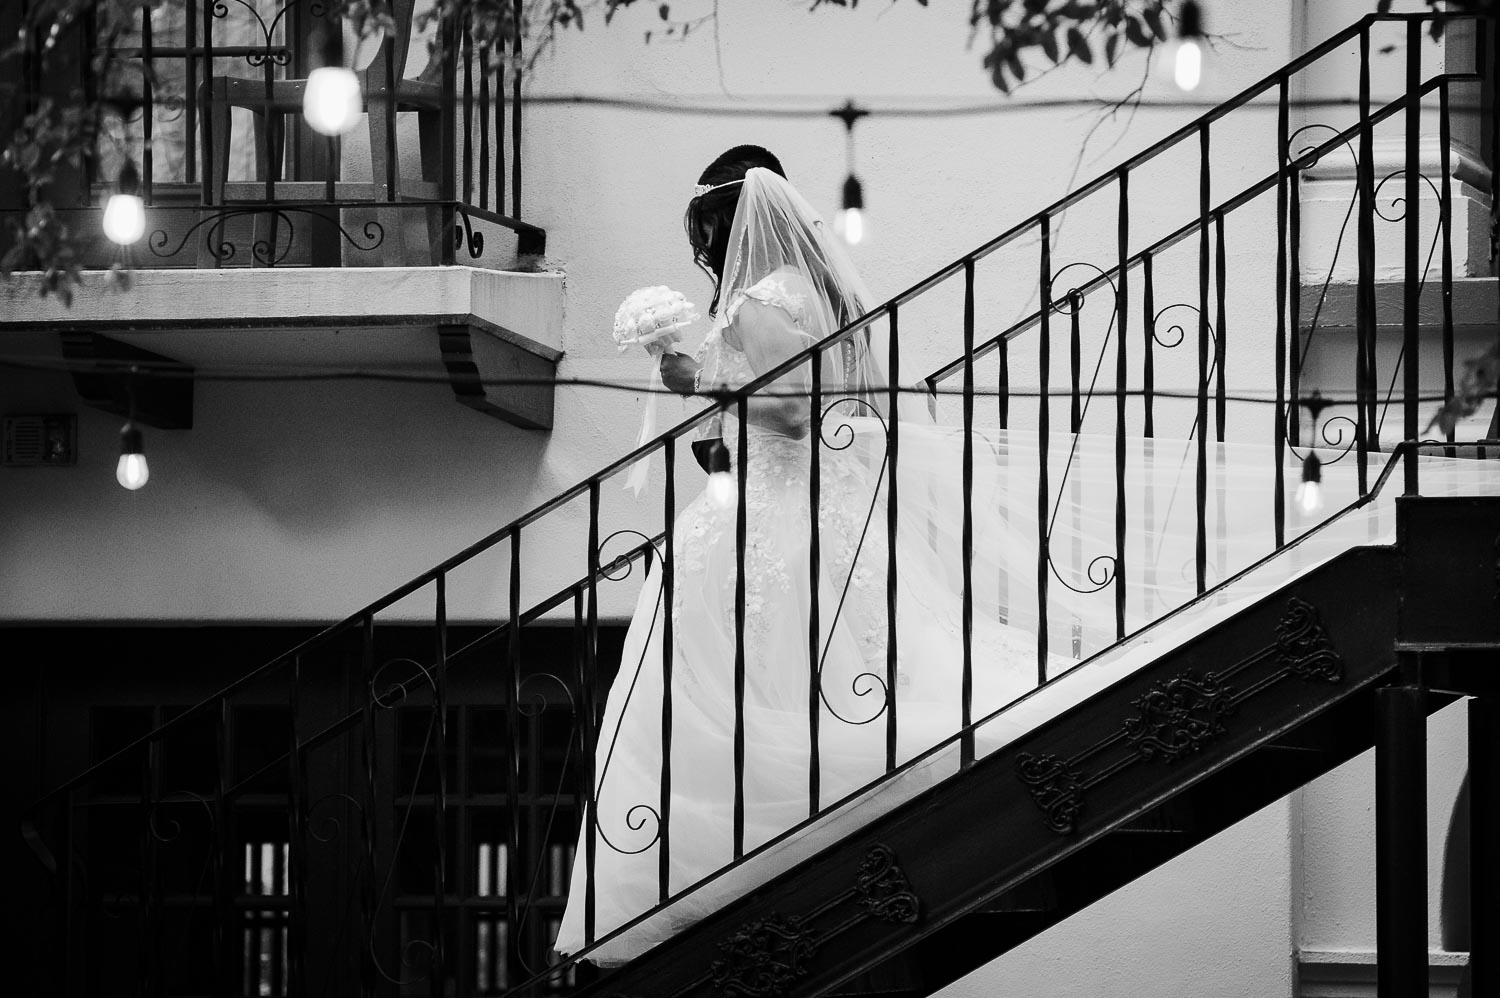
point(397, 246)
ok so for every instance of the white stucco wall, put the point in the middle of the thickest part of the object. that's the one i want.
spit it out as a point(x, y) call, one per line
point(302, 502)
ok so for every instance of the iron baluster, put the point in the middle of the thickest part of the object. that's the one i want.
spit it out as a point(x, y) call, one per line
point(1294, 303)
point(966, 554)
point(1413, 288)
point(585, 625)
point(892, 499)
point(1200, 559)
point(1075, 359)
point(484, 127)
point(190, 96)
point(741, 470)
point(1043, 427)
point(513, 878)
point(814, 588)
point(669, 622)
point(1365, 295)
point(1278, 432)
point(1148, 354)
point(1220, 285)
point(1122, 373)
point(209, 107)
point(148, 98)
point(1003, 382)
point(1445, 219)
point(440, 803)
point(447, 129)
point(515, 113)
point(466, 32)
point(1401, 834)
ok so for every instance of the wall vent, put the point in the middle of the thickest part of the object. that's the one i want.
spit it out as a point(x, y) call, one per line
point(41, 441)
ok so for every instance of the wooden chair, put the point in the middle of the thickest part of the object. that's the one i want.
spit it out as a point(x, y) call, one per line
point(423, 94)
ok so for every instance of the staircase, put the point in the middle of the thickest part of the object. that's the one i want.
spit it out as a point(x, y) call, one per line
point(1115, 773)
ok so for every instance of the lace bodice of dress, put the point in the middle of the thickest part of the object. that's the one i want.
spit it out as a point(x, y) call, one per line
point(724, 364)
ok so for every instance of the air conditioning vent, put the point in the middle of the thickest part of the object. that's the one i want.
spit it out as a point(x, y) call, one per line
point(40, 441)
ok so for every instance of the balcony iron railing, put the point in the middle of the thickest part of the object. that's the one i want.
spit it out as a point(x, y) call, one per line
point(1203, 267)
point(203, 99)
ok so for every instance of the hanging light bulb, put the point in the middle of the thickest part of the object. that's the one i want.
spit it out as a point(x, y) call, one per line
point(125, 212)
point(1309, 498)
point(1186, 54)
point(132, 472)
point(723, 490)
point(850, 221)
point(332, 103)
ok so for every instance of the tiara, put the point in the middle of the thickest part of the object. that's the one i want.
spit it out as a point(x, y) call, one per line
point(700, 189)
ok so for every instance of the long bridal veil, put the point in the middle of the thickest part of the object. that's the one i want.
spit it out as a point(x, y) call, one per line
point(899, 578)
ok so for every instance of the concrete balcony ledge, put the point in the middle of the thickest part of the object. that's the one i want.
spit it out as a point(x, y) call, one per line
point(475, 326)
point(1476, 305)
point(1351, 973)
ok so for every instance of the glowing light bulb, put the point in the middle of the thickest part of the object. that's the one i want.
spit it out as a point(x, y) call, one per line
point(332, 103)
point(1309, 497)
point(125, 212)
point(1187, 65)
point(131, 471)
point(124, 218)
point(722, 488)
point(850, 221)
point(851, 224)
point(1186, 54)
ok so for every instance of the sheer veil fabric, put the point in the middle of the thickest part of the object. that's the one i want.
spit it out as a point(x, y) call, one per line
point(824, 691)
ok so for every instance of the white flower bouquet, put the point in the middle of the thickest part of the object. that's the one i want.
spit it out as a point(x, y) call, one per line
point(653, 318)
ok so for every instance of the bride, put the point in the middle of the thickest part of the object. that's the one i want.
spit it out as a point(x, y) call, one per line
point(807, 733)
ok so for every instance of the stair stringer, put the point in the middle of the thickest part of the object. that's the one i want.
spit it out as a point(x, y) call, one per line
point(1290, 677)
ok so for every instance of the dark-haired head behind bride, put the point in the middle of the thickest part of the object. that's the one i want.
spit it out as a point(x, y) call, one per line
point(746, 726)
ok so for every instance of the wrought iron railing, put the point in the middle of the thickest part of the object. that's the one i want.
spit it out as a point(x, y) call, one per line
point(349, 826)
point(203, 99)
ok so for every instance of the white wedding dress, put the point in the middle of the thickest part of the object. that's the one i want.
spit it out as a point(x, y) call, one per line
point(765, 319)
point(1042, 563)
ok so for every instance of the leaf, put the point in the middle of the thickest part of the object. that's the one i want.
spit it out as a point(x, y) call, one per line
point(1017, 67)
point(1154, 22)
point(1387, 49)
point(1049, 47)
point(1111, 48)
point(1135, 33)
point(665, 11)
point(1078, 47)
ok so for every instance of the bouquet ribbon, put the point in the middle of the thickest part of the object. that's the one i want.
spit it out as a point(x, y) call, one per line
point(640, 471)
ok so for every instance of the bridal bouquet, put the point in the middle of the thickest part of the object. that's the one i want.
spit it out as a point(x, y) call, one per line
point(653, 318)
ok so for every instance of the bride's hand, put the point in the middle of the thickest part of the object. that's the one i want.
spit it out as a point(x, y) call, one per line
point(678, 372)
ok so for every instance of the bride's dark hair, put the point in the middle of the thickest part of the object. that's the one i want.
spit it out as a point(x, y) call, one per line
point(710, 215)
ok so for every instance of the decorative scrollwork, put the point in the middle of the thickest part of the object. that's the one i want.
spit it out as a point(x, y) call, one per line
point(223, 250)
point(1072, 300)
point(171, 830)
point(536, 702)
point(625, 563)
point(1309, 155)
point(1178, 328)
point(329, 828)
point(1399, 201)
point(467, 234)
point(764, 958)
point(1179, 717)
point(884, 892)
point(397, 692)
point(1056, 786)
point(865, 683)
point(1302, 645)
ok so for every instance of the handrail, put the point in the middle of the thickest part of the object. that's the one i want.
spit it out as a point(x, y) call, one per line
point(721, 401)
